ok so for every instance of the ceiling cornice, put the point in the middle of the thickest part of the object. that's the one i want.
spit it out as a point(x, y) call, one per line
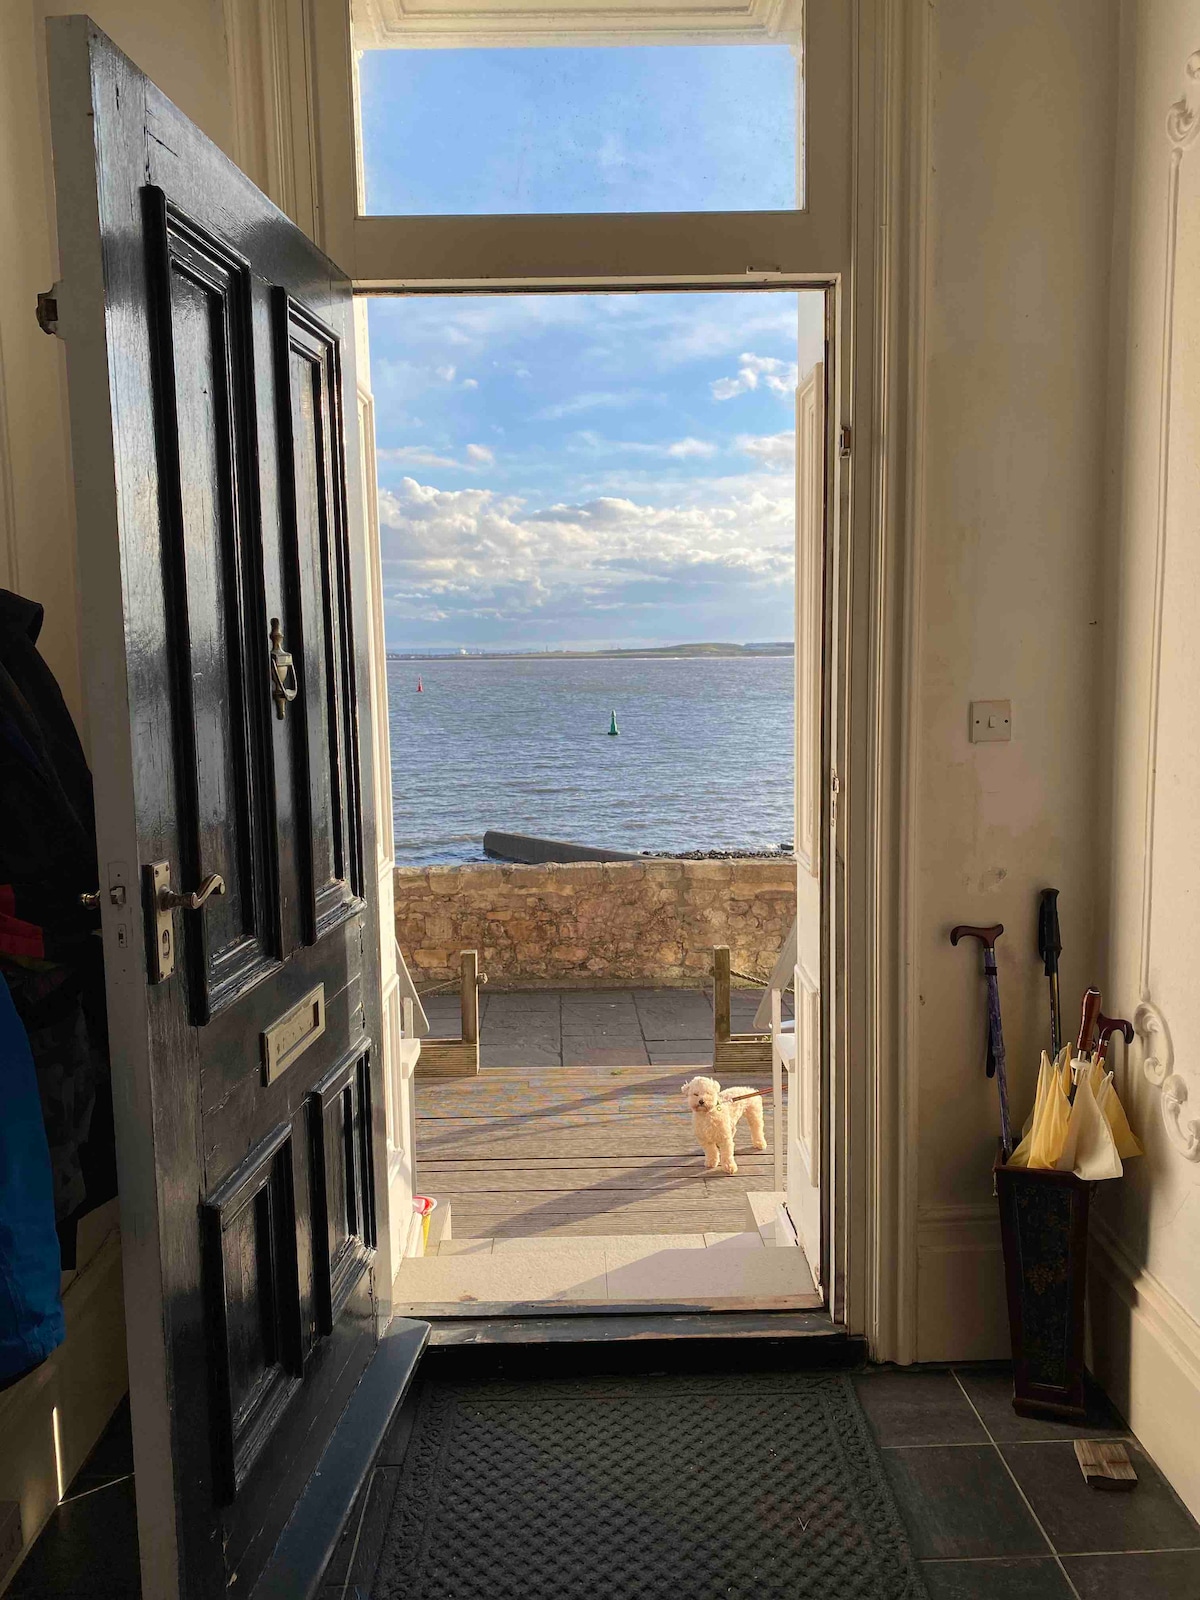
point(415, 24)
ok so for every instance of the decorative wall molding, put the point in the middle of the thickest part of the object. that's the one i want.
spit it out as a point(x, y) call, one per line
point(1183, 119)
point(1158, 1053)
point(895, 274)
point(1158, 1058)
point(944, 1229)
point(408, 24)
point(911, 404)
point(1146, 1296)
point(1183, 1133)
point(960, 1274)
point(268, 47)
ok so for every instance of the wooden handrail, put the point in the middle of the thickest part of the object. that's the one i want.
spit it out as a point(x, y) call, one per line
point(457, 1058)
point(737, 1052)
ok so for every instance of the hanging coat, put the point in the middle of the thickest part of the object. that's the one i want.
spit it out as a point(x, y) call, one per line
point(49, 952)
point(31, 1313)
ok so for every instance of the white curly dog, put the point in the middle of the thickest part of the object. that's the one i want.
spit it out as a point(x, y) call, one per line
point(716, 1113)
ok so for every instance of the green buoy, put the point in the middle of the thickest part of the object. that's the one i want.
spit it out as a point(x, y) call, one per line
point(612, 727)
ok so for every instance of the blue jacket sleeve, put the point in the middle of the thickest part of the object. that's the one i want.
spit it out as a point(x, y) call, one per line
point(31, 1313)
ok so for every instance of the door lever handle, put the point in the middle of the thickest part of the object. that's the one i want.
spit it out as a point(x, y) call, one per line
point(168, 899)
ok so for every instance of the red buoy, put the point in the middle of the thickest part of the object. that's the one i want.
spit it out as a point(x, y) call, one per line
point(420, 687)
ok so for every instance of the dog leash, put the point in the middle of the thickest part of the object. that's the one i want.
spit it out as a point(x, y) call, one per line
point(732, 1099)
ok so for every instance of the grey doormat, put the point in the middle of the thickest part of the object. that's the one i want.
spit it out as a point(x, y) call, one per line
point(708, 1488)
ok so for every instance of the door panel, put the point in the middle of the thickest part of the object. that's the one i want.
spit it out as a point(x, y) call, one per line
point(254, 1305)
point(314, 494)
point(343, 1188)
point(204, 416)
point(211, 372)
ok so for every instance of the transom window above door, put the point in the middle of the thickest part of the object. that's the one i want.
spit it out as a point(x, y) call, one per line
point(503, 110)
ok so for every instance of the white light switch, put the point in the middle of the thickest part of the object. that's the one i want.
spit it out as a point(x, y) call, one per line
point(990, 719)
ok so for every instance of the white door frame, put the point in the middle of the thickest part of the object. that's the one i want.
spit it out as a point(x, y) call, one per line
point(861, 232)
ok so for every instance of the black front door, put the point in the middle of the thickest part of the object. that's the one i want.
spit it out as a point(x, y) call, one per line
point(210, 362)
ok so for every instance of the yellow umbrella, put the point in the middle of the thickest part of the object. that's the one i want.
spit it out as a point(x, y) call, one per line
point(1088, 1148)
point(1078, 1123)
point(1046, 1113)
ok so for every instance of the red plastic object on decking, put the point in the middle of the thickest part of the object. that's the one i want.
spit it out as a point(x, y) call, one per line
point(424, 1208)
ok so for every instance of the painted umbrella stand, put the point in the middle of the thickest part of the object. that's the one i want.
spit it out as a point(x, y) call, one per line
point(1043, 1231)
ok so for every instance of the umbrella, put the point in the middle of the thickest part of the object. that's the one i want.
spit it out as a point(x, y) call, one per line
point(1050, 948)
point(1078, 1123)
point(997, 1061)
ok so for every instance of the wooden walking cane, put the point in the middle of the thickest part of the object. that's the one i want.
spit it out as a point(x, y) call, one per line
point(1105, 1028)
point(996, 1060)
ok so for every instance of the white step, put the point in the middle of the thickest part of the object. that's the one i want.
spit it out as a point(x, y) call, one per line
point(603, 1270)
point(769, 1215)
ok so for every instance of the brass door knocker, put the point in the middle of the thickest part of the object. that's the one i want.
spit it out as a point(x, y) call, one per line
point(285, 686)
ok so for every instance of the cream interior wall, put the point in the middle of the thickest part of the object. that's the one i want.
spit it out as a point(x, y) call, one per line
point(1020, 155)
point(1016, 476)
point(1146, 1267)
point(181, 44)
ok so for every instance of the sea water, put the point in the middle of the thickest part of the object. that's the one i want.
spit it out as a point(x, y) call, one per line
point(703, 760)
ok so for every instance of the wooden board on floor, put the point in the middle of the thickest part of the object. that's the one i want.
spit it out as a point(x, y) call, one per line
point(520, 1177)
point(576, 1152)
point(471, 1140)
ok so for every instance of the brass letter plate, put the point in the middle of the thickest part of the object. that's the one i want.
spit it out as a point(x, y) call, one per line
point(286, 1040)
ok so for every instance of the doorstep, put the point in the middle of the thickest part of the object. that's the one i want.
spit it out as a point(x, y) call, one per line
point(605, 1275)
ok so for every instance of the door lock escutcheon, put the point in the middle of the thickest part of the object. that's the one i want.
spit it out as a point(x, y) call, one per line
point(285, 685)
point(161, 902)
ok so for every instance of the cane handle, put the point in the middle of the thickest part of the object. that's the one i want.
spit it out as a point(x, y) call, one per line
point(986, 936)
point(1087, 1022)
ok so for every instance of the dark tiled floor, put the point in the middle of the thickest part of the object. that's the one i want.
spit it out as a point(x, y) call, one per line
point(593, 1027)
point(989, 1518)
point(997, 1508)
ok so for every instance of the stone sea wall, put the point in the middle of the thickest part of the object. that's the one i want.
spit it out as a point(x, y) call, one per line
point(589, 924)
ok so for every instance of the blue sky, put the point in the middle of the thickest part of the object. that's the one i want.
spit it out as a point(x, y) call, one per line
point(581, 470)
point(640, 128)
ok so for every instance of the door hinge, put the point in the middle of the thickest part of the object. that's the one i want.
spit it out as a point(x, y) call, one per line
point(844, 442)
point(47, 308)
point(835, 789)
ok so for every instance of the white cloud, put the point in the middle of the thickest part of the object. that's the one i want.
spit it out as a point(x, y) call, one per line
point(416, 455)
point(691, 447)
point(588, 442)
point(477, 456)
point(598, 400)
point(470, 383)
point(773, 449)
point(446, 374)
point(475, 553)
point(769, 371)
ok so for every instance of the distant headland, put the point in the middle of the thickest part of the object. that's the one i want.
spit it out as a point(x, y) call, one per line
point(773, 647)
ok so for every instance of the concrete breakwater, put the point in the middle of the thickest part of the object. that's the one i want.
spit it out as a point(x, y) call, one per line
point(591, 924)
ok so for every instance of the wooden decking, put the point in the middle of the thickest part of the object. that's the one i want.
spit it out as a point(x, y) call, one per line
point(586, 1150)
